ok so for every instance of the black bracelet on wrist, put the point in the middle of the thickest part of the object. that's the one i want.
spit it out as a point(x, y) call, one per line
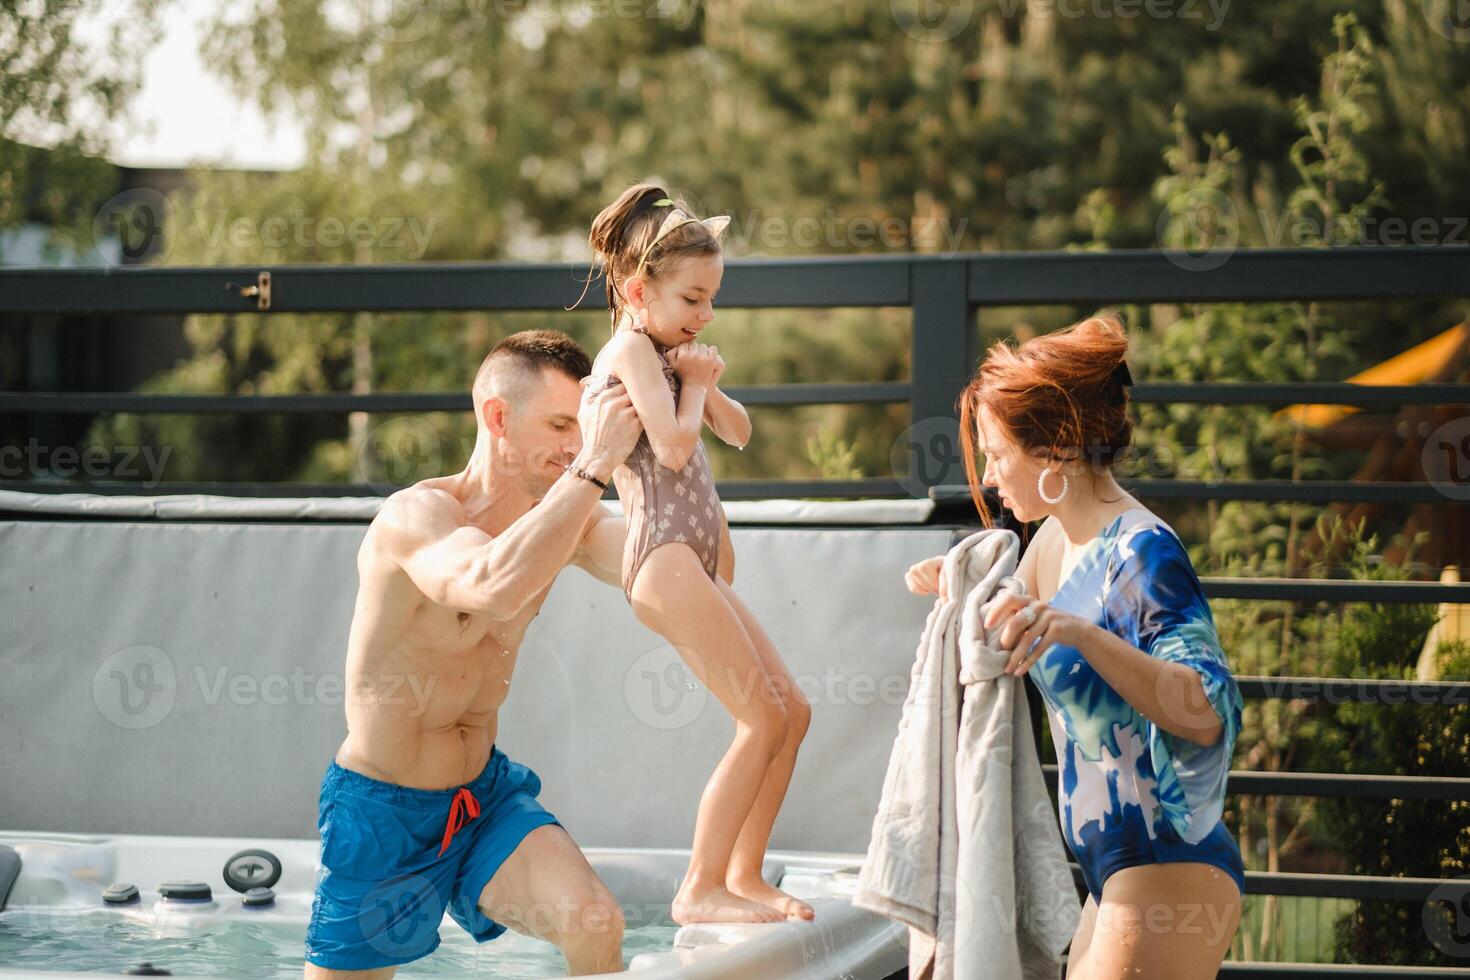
point(578, 471)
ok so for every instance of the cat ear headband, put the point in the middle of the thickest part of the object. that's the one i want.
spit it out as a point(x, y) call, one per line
point(678, 218)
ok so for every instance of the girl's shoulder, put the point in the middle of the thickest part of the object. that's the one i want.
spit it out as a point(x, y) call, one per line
point(627, 341)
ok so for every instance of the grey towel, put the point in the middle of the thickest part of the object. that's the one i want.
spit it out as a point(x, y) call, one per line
point(965, 848)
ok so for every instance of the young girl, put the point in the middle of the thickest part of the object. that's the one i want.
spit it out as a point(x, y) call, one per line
point(663, 268)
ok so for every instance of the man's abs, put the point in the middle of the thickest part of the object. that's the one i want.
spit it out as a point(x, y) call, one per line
point(424, 689)
point(406, 754)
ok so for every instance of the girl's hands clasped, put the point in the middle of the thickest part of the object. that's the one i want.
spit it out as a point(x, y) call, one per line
point(696, 363)
point(1030, 628)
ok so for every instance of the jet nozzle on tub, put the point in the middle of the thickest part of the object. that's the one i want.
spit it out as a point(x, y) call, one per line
point(120, 893)
point(253, 868)
point(185, 891)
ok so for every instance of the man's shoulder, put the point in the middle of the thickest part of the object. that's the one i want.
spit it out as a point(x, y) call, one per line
point(415, 515)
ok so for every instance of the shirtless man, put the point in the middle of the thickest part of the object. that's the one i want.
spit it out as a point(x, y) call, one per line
point(420, 810)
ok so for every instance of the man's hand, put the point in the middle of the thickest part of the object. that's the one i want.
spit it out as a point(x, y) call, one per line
point(610, 429)
point(695, 363)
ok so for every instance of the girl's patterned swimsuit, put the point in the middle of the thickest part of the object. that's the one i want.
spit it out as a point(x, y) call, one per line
point(663, 505)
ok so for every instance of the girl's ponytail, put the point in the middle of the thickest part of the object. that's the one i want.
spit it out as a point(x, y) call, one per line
point(623, 232)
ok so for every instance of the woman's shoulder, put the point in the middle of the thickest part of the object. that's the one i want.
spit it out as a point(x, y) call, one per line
point(1149, 558)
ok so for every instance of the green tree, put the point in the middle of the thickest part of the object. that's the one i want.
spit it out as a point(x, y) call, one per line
point(55, 91)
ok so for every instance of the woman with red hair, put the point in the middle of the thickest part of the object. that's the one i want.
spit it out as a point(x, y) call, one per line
point(1115, 631)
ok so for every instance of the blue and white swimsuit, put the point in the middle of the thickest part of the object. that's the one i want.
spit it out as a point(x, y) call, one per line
point(1129, 792)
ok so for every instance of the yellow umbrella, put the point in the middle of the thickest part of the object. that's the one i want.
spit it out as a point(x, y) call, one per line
point(1411, 367)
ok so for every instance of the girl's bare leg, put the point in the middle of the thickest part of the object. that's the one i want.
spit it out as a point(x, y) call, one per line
point(1162, 920)
point(676, 599)
point(744, 876)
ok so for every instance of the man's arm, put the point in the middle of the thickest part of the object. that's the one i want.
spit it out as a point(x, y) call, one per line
point(464, 568)
point(600, 553)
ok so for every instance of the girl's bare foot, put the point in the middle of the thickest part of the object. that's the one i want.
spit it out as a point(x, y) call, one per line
point(717, 904)
point(759, 891)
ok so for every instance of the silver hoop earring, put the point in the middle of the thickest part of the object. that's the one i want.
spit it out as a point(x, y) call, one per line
point(1041, 490)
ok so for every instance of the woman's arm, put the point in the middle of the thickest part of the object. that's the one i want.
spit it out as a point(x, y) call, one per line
point(673, 430)
point(1171, 695)
point(727, 419)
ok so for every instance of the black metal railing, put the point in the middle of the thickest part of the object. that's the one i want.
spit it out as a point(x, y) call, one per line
point(945, 295)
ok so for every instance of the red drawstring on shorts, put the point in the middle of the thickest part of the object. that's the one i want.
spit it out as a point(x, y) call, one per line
point(464, 802)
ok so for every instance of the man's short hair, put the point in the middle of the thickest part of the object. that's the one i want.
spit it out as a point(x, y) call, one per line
point(513, 367)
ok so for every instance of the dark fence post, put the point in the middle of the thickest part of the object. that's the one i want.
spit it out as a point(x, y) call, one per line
point(943, 359)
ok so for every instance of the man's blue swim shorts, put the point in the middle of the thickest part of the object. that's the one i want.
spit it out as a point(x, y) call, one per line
point(394, 858)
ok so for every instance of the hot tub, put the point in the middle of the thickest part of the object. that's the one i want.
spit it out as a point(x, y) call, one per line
point(56, 921)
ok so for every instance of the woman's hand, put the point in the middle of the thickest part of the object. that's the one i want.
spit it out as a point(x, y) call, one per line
point(1031, 627)
point(719, 366)
point(923, 578)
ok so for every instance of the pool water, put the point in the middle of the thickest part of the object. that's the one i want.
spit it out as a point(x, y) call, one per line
point(267, 949)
